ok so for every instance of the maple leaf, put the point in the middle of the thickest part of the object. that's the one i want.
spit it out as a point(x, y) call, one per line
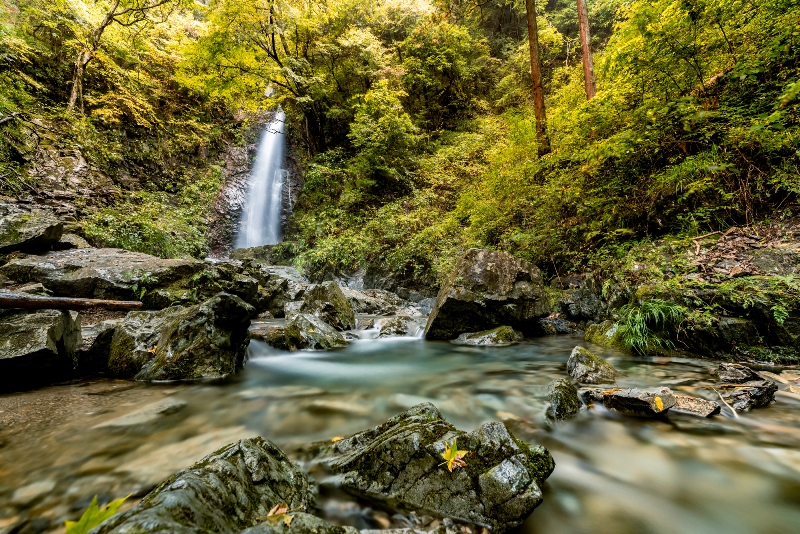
point(153, 350)
point(280, 512)
point(454, 458)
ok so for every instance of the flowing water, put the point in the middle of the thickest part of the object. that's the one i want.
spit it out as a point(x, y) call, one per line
point(62, 444)
point(261, 215)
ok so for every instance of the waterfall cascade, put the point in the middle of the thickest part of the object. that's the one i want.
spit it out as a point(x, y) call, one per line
point(261, 215)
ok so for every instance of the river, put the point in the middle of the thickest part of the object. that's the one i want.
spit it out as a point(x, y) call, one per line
point(63, 444)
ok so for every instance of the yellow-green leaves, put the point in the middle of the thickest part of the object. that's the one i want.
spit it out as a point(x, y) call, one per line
point(454, 458)
point(93, 516)
point(280, 512)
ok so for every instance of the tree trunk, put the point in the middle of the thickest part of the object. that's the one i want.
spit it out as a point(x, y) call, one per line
point(588, 66)
point(35, 302)
point(536, 76)
point(77, 80)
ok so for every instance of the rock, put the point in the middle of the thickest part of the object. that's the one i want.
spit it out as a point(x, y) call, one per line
point(752, 394)
point(695, 406)
point(735, 373)
point(555, 325)
point(96, 346)
point(227, 491)
point(606, 334)
point(372, 301)
point(106, 273)
point(563, 398)
point(399, 326)
point(302, 523)
point(591, 396)
point(303, 331)
point(145, 415)
point(37, 346)
point(398, 465)
point(327, 302)
point(737, 331)
point(485, 290)
point(793, 389)
point(271, 254)
point(34, 289)
point(206, 340)
point(640, 402)
point(72, 241)
point(25, 495)
point(582, 301)
point(502, 335)
point(587, 368)
point(31, 229)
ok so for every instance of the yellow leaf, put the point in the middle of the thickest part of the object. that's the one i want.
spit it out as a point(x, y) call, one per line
point(153, 350)
point(659, 404)
point(337, 438)
point(454, 458)
point(280, 513)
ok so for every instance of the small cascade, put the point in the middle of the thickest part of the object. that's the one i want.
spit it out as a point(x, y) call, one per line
point(261, 215)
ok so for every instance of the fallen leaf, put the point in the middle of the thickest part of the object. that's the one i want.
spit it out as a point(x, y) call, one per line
point(280, 513)
point(659, 404)
point(337, 438)
point(453, 457)
point(153, 350)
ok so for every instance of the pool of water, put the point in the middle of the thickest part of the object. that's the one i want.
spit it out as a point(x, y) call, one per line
point(63, 444)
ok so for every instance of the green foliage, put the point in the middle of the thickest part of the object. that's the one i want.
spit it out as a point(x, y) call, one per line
point(94, 516)
point(644, 326)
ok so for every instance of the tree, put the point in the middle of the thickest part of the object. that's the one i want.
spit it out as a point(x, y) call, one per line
point(588, 66)
point(536, 76)
point(127, 13)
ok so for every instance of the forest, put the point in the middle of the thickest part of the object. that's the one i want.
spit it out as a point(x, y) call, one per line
point(399, 266)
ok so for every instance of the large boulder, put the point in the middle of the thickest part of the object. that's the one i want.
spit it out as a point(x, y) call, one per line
point(277, 285)
point(400, 466)
point(327, 302)
point(485, 290)
point(752, 394)
point(587, 368)
point(28, 229)
point(227, 491)
point(107, 273)
point(207, 340)
point(37, 347)
point(303, 331)
point(373, 301)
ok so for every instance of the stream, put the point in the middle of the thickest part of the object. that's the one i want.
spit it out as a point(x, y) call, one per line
point(63, 444)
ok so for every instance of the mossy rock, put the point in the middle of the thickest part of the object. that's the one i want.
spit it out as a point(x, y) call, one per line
point(606, 334)
point(327, 301)
point(33, 229)
point(587, 368)
point(500, 336)
point(563, 397)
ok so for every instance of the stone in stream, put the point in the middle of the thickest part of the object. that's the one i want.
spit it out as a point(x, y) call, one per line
point(397, 326)
point(735, 373)
point(587, 368)
point(37, 347)
point(372, 301)
point(227, 491)
point(485, 290)
point(696, 406)
point(502, 335)
point(28, 229)
point(105, 273)
point(563, 398)
point(640, 402)
point(751, 394)
point(399, 465)
point(206, 340)
point(327, 302)
point(303, 331)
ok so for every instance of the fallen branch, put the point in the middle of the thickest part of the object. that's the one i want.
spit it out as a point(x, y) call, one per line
point(736, 415)
point(35, 302)
point(697, 243)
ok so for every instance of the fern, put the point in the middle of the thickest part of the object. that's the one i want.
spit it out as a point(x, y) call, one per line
point(643, 326)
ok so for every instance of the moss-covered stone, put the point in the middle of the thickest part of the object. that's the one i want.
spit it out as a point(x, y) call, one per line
point(563, 398)
point(587, 368)
point(502, 335)
point(28, 229)
point(606, 334)
point(327, 302)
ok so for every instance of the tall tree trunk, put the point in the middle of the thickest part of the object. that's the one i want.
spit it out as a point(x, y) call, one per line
point(77, 80)
point(536, 76)
point(588, 66)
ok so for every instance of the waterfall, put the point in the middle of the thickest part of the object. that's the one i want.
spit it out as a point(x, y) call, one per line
point(261, 215)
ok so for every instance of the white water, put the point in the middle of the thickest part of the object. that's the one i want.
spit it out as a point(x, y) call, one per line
point(261, 216)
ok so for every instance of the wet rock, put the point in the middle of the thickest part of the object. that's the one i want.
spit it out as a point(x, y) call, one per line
point(582, 301)
point(555, 325)
point(563, 398)
point(31, 229)
point(399, 326)
point(372, 301)
point(303, 331)
point(302, 523)
point(735, 373)
point(695, 406)
point(34, 289)
point(206, 340)
point(606, 334)
point(752, 394)
point(640, 402)
point(106, 273)
point(502, 335)
point(96, 346)
point(327, 302)
point(591, 396)
point(27, 494)
point(37, 347)
point(277, 285)
point(737, 331)
point(399, 466)
point(227, 491)
point(487, 289)
point(587, 368)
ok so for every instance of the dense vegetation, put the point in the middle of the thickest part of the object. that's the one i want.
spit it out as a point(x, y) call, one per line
point(412, 120)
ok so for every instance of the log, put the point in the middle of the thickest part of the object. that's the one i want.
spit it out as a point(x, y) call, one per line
point(36, 302)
